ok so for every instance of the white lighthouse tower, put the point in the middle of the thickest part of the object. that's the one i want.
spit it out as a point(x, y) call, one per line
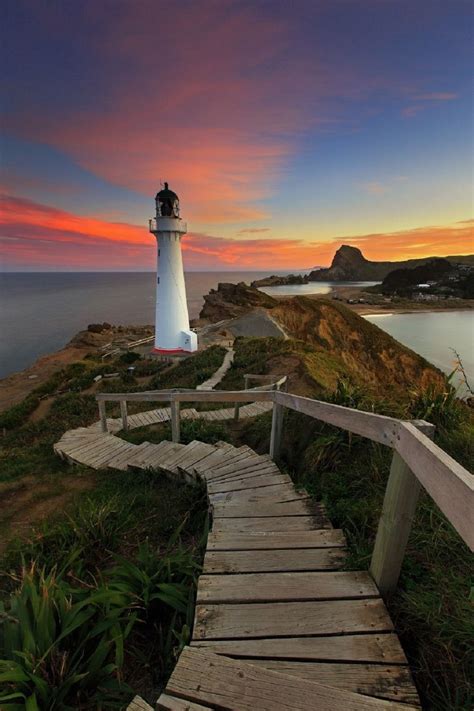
point(172, 333)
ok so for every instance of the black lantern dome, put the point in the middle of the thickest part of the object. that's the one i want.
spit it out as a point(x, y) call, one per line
point(167, 203)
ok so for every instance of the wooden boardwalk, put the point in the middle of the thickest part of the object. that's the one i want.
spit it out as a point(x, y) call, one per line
point(279, 623)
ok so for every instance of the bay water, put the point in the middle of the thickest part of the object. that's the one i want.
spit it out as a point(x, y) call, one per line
point(40, 312)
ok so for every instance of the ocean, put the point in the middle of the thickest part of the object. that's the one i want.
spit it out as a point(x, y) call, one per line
point(40, 312)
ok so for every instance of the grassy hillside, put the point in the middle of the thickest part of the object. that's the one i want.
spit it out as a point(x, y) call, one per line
point(125, 548)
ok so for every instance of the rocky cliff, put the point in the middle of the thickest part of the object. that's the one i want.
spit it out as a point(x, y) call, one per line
point(327, 341)
point(232, 301)
point(349, 264)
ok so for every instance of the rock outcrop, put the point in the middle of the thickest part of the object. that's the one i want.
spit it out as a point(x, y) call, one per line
point(349, 264)
point(232, 301)
point(276, 280)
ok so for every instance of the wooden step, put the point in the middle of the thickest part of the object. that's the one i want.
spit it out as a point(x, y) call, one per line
point(273, 560)
point(274, 540)
point(203, 677)
point(285, 587)
point(289, 619)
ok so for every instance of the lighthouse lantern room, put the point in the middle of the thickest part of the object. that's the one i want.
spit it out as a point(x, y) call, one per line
point(172, 333)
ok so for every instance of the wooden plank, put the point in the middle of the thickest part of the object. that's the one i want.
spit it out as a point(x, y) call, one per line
point(249, 464)
point(450, 485)
point(137, 704)
point(282, 491)
point(269, 540)
point(273, 560)
point(234, 685)
point(251, 482)
point(289, 508)
point(285, 587)
point(172, 703)
point(288, 494)
point(369, 648)
point(256, 469)
point(276, 523)
point(290, 619)
point(384, 681)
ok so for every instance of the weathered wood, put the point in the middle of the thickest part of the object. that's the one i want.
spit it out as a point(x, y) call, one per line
point(375, 427)
point(123, 413)
point(175, 428)
point(290, 619)
point(285, 587)
point(269, 540)
point(370, 648)
point(238, 686)
point(172, 703)
point(230, 396)
point(273, 560)
point(401, 496)
point(137, 704)
point(102, 416)
point(276, 431)
point(289, 508)
point(384, 681)
point(256, 494)
point(450, 485)
point(254, 481)
point(266, 523)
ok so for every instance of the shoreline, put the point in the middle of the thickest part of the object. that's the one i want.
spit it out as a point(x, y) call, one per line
point(15, 386)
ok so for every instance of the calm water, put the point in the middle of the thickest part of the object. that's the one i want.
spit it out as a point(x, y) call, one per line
point(433, 335)
point(39, 313)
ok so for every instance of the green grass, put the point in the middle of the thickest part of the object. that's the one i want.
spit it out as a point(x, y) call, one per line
point(124, 559)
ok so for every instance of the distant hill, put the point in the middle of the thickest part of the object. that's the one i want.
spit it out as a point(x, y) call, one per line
point(349, 264)
point(434, 270)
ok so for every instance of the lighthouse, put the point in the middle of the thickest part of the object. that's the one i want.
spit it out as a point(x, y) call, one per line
point(172, 333)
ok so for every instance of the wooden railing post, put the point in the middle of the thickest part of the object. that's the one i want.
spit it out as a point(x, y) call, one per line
point(277, 427)
point(123, 412)
point(401, 497)
point(103, 416)
point(175, 420)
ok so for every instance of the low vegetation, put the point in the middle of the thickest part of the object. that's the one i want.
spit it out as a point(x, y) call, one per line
point(105, 590)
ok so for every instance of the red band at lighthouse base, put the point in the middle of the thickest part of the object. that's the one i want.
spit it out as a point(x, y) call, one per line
point(169, 351)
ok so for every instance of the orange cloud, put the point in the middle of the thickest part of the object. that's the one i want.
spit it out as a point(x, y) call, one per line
point(35, 235)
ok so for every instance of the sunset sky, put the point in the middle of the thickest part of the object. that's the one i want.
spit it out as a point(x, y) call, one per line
point(286, 128)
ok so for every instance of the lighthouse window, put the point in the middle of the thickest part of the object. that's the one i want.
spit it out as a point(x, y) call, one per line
point(158, 252)
point(158, 280)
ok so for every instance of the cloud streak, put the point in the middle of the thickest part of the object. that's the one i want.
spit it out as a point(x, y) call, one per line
point(35, 235)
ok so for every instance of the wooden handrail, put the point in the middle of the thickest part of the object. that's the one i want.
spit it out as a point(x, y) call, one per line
point(378, 428)
point(450, 485)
